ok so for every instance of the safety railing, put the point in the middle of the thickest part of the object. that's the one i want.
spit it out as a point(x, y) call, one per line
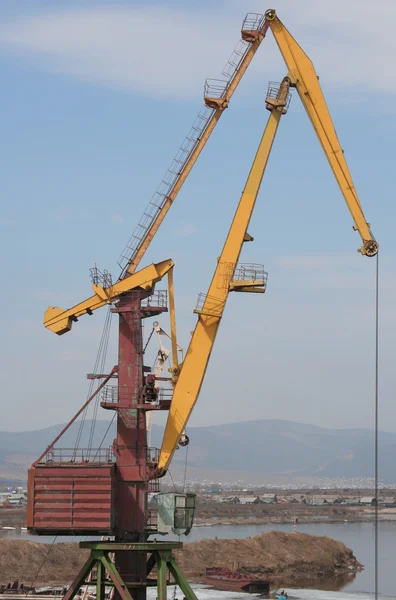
point(102, 278)
point(109, 393)
point(154, 486)
point(209, 306)
point(165, 394)
point(253, 22)
point(151, 520)
point(152, 455)
point(234, 62)
point(250, 272)
point(113, 394)
point(79, 455)
point(157, 300)
point(276, 96)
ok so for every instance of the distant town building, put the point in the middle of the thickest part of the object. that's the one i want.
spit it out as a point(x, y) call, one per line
point(268, 498)
point(386, 500)
point(368, 500)
point(250, 500)
point(16, 500)
point(231, 500)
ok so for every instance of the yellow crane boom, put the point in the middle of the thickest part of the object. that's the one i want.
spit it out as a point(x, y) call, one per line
point(304, 78)
point(217, 96)
point(227, 277)
point(60, 321)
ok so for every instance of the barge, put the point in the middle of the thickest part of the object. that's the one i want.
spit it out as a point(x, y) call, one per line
point(233, 581)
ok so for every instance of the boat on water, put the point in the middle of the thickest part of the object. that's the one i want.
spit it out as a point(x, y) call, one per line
point(234, 581)
point(9, 528)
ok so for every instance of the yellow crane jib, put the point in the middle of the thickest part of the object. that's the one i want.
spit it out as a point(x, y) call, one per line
point(217, 97)
point(60, 321)
point(228, 276)
point(306, 81)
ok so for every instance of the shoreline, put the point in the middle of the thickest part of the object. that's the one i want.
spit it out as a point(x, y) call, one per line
point(284, 521)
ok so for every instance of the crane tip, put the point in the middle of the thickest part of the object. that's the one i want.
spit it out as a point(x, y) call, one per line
point(270, 14)
point(370, 248)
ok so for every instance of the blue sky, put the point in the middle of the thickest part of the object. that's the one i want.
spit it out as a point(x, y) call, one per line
point(97, 97)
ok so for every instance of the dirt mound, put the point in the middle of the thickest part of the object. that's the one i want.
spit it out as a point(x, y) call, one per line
point(21, 560)
point(276, 555)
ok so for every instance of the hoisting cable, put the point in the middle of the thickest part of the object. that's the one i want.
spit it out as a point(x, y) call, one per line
point(107, 329)
point(185, 469)
point(105, 435)
point(171, 478)
point(41, 566)
point(376, 435)
point(148, 340)
point(91, 386)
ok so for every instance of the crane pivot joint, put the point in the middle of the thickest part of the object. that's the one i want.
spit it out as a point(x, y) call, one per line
point(270, 14)
point(369, 248)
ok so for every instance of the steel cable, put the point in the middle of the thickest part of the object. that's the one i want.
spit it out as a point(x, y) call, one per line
point(105, 435)
point(106, 335)
point(91, 386)
point(185, 469)
point(42, 564)
point(376, 434)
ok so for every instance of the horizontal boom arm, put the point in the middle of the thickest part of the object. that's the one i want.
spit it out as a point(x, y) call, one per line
point(60, 321)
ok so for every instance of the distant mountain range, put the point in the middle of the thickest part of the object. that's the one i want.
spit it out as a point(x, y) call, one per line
point(261, 447)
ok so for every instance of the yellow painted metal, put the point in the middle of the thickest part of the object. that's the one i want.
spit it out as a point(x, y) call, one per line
point(192, 373)
point(60, 321)
point(233, 84)
point(303, 76)
point(172, 316)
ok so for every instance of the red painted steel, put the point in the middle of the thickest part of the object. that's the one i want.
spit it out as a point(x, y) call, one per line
point(70, 493)
point(66, 498)
point(133, 470)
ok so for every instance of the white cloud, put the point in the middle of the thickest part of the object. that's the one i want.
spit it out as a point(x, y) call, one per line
point(186, 229)
point(147, 50)
point(166, 52)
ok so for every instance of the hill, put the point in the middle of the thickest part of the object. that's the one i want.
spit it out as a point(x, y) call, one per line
point(262, 447)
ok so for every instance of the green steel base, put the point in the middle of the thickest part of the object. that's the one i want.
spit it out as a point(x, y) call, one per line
point(159, 553)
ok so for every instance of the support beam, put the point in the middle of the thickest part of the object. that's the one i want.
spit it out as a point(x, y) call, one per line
point(80, 578)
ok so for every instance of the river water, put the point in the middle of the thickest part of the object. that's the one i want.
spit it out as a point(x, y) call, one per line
point(357, 536)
